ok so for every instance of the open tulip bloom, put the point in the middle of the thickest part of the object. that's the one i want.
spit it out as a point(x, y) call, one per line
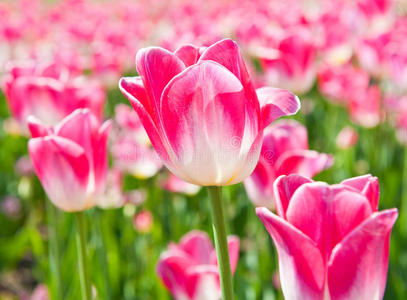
point(205, 120)
point(201, 111)
point(331, 240)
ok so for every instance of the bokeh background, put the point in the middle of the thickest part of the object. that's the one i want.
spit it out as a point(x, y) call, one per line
point(317, 49)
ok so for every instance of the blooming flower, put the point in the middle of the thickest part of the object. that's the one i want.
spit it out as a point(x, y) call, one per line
point(331, 240)
point(201, 112)
point(70, 159)
point(189, 269)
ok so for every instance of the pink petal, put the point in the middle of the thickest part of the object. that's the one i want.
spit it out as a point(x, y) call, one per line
point(302, 271)
point(368, 185)
point(37, 129)
point(227, 53)
point(198, 245)
point(100, 156)
point(358, 265)
point(307, 163)
point(284, 188)
point(204, 108)
point(63, 170)
point(326, 214)
point(233, 246)
point(78, 127)
point(172, 268)
point(156, 67)
point(276, 103)
point(189, 54)
point(133, 89)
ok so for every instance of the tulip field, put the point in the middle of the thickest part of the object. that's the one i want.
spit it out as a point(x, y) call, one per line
point(203, 150)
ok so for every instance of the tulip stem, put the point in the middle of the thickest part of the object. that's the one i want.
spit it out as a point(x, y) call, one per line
point(82, 259)
point(53, 249)
point(221, 244)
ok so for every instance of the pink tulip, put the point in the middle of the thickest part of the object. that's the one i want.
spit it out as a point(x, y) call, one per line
point(47, 92)
point(284, 151)
point(176, 185)
point(339, 83)
point(291, 65)
point(143, 221)
point(70, 159)
point(365, 107)
point(201, 112)
point(347, 138)
point(189, 269)
point(331, 240)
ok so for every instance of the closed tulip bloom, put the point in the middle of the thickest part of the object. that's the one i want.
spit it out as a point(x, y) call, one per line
point(332, 241)
point(189, 269)
point(284, 151)
point(201, 111)
point(70, 159)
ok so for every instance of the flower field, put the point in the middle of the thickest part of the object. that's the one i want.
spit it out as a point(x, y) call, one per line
point(203, 150)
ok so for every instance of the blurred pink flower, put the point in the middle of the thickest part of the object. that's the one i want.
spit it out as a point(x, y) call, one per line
point(131, 150)
point(290, 64)
point(201, 112)
point(331, 240)
point(173, 184)
point(47, 92)
point(347, 138)
point(70, 159)
point(189, 269)
point(284, 151)
point(143, 221)
point(365, 107)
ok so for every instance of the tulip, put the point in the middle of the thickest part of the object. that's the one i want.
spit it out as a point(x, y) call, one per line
point(290, 64)
point(201, 112)
point(347, 138)
point(205, 120)
point(70, 159)
point(189, 269)
point(331, 240)
point(284, 151)
point(47, 92)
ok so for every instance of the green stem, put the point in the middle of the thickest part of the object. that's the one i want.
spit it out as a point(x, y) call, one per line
point(82, 259)
point(221, 243)
point(403, 204)
point(53, 250)
point(103, 254)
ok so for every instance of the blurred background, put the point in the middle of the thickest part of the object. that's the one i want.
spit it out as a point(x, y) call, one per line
point(347, 61)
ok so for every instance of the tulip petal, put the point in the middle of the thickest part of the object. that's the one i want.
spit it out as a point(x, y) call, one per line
point(36, 128)
point(133, 89)
point(301, 266)
point(198, 245)
point(63, 169)
point(276, 103)
point(189, 54)
point(368, 185)
point(307, 163)
point(156, 67)
point(173, 268)
point(284, 188)
point(326, 214)
point(358, 265)
point(100, 158)
point(203, 108)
